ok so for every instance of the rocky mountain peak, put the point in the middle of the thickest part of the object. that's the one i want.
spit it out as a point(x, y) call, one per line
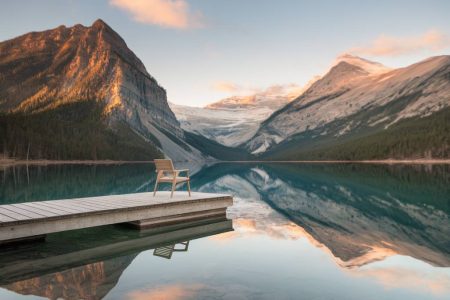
point(369, 66)
point(100, 24)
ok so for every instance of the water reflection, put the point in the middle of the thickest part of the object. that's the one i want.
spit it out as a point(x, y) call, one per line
point(360, 213)
point(91, 281)
point(86, 264)
point(379, 225)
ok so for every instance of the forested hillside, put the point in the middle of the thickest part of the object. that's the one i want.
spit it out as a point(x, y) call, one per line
point(71, 131)
point(427, 137)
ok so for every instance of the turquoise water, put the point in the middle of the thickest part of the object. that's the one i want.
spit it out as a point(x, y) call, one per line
point(296, 231)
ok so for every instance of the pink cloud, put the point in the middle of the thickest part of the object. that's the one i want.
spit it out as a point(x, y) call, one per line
point(165, 13)
point(385, 45)
point(226, 86)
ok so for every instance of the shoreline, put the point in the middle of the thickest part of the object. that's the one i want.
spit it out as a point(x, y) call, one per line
point(44, 162)
point(375, 161)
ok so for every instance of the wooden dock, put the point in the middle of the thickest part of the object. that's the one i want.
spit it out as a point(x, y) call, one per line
point(33, 220)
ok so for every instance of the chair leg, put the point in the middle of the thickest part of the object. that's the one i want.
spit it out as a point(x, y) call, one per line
point(156, 187)
point(173, 188)
point(189, 188)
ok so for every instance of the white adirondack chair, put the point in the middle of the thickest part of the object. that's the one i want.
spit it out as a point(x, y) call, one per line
point(167, 173)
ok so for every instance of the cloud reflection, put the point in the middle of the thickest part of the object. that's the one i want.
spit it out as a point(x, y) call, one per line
point(418, 280)
point(166, 292)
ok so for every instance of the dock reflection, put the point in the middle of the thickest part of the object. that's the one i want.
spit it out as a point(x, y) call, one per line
point(92, 266)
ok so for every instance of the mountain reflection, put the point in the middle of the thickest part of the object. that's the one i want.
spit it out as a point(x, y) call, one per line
point(90, 265)
point(90, 282)
point(360, 213)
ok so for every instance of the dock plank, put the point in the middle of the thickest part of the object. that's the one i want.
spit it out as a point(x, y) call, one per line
point(12, 214)
point(70, 202)
point(54, 212)
point(116, 203)
point(94, 206)
point(23, 211)
point(68, 208)
point(66, 203)
point(45, 213)
point(4, 218)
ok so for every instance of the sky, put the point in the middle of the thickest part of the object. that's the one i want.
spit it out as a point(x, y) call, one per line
point(201, 51)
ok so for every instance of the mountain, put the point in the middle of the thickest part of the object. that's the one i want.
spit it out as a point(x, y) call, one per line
point(363, 110)
point(80, 93)
point(368, 66)
point(234, 120)
point(357, 213)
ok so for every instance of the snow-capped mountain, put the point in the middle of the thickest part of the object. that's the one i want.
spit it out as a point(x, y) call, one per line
point(356, 98)
point(369, 66)
point(234, 120)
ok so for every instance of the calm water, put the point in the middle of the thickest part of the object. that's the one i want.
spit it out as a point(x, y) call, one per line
point(296, 231)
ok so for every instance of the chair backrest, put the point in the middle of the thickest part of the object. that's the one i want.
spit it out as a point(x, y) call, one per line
point(164, 165)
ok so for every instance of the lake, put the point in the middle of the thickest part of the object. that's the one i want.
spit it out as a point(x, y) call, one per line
point(295, 231)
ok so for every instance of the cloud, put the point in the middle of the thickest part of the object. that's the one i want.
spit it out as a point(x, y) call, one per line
point(385, 45)
point(165, 13)
point(227, 87)
point(290, 90)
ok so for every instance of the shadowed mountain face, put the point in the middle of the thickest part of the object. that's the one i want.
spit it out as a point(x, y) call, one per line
point(361, 213)
point(84, 82)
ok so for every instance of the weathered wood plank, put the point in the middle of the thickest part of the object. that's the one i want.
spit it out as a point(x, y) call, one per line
point(119, 202)
point(45, 213)
point(23, 211)
point(115, 200)
point(80, 206)
point(68, 208)
point(66, 203)
point(116, 203)
point(94, 206)
point(54, 212)
point(12, 214)
point(4, 218)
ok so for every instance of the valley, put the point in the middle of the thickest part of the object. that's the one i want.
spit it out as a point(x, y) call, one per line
point(84, 95)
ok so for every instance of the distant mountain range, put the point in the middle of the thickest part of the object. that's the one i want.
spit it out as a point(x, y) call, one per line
point(81, 93)
point(358, 110)
point(235, 120)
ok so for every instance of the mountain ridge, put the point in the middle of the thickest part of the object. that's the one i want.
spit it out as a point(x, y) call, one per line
point(68, 66)
point(347, 92)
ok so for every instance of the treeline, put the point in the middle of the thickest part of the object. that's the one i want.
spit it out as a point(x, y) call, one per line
point(214, 149)
point(68, 132)
point(427, 137)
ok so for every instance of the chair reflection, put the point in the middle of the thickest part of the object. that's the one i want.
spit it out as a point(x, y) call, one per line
point(168, 250)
